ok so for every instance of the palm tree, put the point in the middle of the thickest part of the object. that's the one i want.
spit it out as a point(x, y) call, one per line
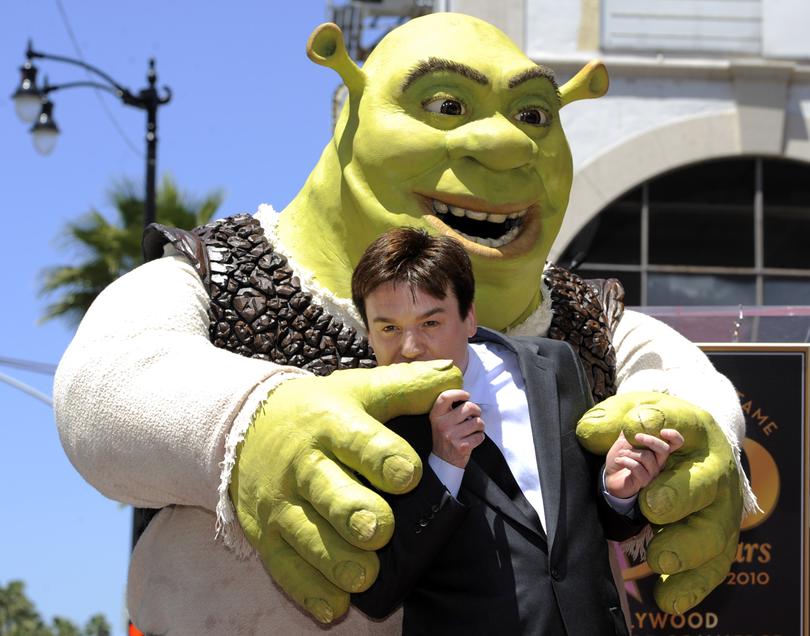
point(112, 249)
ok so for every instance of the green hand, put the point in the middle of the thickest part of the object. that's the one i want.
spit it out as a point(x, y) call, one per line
point(296, 496)
point(695, 503)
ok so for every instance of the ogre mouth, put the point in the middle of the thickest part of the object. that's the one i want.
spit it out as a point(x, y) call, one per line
point(490, 229)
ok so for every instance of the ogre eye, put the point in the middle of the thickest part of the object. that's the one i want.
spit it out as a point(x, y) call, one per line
point(534, 117)
point(444, 106)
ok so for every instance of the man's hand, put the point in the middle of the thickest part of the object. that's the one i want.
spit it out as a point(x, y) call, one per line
point(695, 503)
point(294, 486)
point(456, 431)
point(628, 469)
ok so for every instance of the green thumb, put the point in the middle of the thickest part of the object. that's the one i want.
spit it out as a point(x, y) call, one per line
point(401, 389)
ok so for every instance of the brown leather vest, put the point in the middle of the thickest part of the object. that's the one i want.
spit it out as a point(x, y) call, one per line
point(259, 310)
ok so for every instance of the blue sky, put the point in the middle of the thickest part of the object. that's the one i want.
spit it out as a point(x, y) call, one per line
point(250, 115)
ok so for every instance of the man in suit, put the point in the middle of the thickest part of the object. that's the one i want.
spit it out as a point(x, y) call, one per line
point(506, 531)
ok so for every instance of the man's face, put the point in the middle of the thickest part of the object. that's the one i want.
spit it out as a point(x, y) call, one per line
point(406, 325)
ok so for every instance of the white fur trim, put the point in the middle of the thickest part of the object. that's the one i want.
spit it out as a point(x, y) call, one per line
point(636, 547)
point(538, 322)
point(226, 523)
point(750, 504)
point(341, 307)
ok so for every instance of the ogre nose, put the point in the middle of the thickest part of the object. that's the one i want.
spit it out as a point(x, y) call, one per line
point(495, 142)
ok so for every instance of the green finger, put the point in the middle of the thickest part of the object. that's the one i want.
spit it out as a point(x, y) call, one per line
point(408, 388)
point(701, 536)
point(687, 484)
point(687, 544)
point(385, 459)
point(302, 582)
point(659, 410)
point(679, 593)
point(357, 513)
point(314, 540)
point(599, 427)
point(643, 412)
point(692, 481)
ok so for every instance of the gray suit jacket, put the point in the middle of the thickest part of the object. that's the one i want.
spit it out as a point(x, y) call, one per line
point(482, 564)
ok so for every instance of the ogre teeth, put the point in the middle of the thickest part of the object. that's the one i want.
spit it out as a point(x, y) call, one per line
point(441, 208)
point(475, 215)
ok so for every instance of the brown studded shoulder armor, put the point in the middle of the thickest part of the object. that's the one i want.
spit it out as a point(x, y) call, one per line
point(258, 308)
point(585, 314)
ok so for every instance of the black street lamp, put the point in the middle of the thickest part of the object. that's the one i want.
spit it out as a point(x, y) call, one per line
point(34, 106)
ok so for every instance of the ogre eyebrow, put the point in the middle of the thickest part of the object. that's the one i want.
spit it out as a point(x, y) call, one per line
point(532, 73)
point(433, 64)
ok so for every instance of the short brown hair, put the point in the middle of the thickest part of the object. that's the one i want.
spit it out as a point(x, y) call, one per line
point(432, 264)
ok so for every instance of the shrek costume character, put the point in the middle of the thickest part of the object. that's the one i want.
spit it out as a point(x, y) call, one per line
point(218, 383)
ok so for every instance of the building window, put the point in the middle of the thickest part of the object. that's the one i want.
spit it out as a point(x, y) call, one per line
point(728, 232)
point(732, 26)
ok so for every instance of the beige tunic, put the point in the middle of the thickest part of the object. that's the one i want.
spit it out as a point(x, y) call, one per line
point(149, 412)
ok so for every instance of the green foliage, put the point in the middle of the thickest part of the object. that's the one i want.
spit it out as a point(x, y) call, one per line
point(106, 250)
point(19, 617)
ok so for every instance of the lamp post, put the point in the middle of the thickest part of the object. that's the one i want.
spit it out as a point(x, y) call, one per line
point(33, 105)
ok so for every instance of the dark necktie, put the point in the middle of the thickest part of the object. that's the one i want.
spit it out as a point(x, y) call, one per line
point(489, 457)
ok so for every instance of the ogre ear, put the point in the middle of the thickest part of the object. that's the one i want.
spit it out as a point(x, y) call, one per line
point(325, 47)
point(591, 81)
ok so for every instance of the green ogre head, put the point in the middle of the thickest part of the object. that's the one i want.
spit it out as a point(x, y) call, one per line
point(448, 127)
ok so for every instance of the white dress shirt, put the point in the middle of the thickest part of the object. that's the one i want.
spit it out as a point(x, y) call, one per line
point(494, 382)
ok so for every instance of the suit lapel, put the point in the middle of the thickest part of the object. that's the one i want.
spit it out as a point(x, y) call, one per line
point(544, 412)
